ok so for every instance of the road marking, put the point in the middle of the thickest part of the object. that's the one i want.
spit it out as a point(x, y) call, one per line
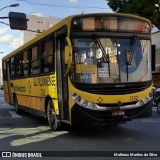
point(14, 114)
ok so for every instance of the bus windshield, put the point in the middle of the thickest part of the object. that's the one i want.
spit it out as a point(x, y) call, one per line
point(111, 60)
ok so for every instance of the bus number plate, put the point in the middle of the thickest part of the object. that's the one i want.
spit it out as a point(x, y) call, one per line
point(118, 113)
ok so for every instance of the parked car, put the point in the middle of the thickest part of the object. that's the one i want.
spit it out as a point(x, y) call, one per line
point(1, 86)
point(157, 99)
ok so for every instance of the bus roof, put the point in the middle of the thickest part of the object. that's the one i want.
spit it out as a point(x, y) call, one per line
point(67, 21)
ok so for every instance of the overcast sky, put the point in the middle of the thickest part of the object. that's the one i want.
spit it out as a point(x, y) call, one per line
point(11, 39)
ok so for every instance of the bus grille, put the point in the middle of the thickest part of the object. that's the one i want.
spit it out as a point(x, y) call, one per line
point(113, 89)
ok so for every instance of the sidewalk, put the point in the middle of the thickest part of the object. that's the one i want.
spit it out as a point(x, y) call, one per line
point(4, 105)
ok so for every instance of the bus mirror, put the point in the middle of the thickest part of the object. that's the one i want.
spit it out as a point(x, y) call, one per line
point(68, 51)
point(17, 21)
point(68, 41)
point(153, 57)
point(68, 59)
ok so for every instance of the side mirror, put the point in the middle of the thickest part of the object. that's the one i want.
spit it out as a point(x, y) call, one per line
point(17, 21)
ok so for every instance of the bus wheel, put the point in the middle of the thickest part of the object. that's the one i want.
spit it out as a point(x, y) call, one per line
point(17, 109)
point(158, 107)
point(53, 118)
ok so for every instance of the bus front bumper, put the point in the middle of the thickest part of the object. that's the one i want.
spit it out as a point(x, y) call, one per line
point(81, 115)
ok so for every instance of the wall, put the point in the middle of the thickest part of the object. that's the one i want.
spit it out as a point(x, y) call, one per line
point(38, 24)
point(156, 73)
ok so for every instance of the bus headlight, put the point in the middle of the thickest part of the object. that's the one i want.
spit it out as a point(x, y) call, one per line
point(77, 98)
point(92, 106)
point(144, 101)
point(81, 102)
point(140, 103)
point(84, 103)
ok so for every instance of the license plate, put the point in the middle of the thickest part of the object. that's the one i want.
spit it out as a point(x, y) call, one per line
point(118, 113)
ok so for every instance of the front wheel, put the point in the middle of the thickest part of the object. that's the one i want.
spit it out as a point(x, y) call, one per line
point(158, 107)
point(53, 118)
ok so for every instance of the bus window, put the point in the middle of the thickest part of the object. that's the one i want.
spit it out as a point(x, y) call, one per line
point(4, 71)
point(25, 63)
point(35, 61)
point(19, 65)
point(13, 68)
point(48, 57)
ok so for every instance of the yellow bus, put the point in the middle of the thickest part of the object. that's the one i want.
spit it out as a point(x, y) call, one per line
point(86, 68)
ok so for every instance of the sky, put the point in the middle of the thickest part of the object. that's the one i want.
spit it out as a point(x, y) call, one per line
point(12, 39)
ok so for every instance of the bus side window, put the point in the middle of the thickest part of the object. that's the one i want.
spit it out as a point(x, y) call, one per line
point(4, 70)
point(35, 61)
point(25, 63)
point(48, 57)
point(19, 65)
point(12, 67)
point(42, 56)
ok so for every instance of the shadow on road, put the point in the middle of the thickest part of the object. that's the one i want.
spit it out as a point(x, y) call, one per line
point(32, 133)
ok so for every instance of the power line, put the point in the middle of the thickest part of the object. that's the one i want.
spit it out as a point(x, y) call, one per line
point(4, 23)
point(25, 30)
point(62, 6)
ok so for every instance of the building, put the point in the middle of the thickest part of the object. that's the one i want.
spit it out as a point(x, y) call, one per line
point(156, 73)
point(37, 25)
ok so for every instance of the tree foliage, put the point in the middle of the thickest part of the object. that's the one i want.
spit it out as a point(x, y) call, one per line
point(144, 8)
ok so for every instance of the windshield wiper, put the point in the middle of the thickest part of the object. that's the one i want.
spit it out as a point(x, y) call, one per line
point(129, 54)
point(99, 44)
point(127, 64)
point(105, 55)
point(131, 49)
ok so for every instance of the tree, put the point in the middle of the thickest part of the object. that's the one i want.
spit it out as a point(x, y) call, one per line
point(146, 8)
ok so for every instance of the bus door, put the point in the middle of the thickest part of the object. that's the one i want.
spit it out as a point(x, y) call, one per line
point(8, 81)
point(62, 80)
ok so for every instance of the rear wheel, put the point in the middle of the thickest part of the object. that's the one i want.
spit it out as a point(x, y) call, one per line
point(53, 118)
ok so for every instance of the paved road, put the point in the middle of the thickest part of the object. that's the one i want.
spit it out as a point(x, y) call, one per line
point(30, 133)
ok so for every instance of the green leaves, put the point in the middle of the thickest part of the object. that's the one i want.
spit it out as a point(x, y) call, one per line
point(144, 8)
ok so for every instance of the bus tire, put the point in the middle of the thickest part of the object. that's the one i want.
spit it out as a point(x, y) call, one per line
point(17, 109)
point(158, 106)
point(52, 117)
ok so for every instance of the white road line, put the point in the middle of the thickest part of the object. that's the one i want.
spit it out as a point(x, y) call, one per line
point(14, 114)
